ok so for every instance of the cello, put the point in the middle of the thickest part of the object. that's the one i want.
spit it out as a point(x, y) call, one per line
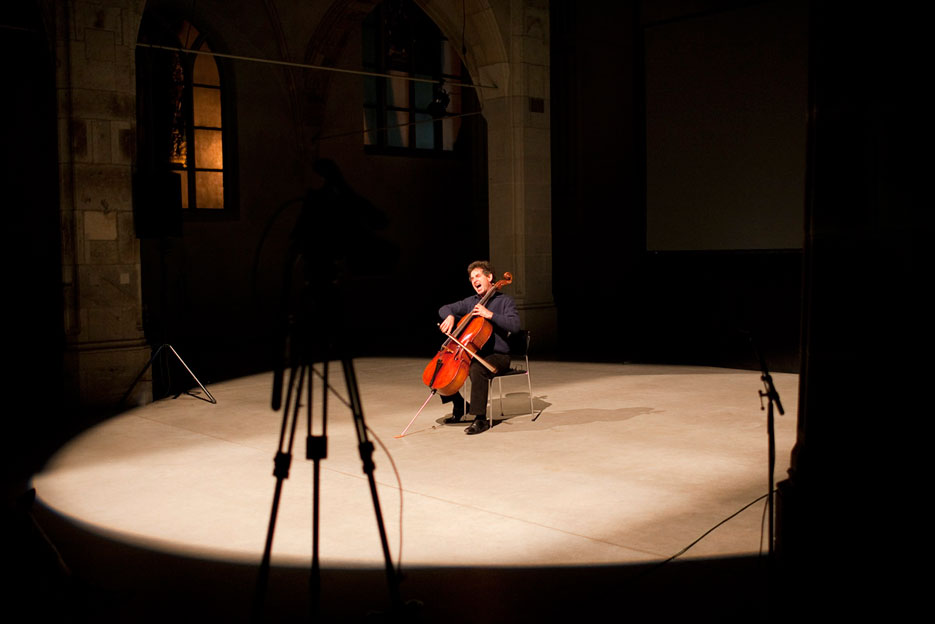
point(447, 371)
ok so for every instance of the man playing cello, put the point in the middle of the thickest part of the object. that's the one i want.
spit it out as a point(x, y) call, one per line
point(500, 311)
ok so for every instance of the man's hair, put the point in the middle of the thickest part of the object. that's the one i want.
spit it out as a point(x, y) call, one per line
point(483, 265)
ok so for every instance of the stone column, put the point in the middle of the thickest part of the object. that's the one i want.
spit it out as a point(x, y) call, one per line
point(96, 90)
point(519, 160)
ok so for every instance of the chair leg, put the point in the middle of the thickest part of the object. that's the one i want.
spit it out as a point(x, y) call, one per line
point(500, 392)
point(490, 399)
point(489, 403)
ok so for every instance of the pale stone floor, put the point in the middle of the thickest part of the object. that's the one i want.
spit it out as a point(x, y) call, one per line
point(624, 464)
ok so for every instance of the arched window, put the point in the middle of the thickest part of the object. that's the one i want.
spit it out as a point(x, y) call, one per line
point(402, 115)
point(182, 107)
point(197, 152)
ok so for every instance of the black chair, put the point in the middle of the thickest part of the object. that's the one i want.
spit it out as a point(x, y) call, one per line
point(519, 348)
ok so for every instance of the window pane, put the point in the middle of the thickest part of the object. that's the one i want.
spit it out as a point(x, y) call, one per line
point(178, 152)
point(370, 91)
point(397, 136)
point(184, 177)
point(207, 105)
point(370, 124)
point(208, 152)
point(178, 147)
point(397, 91)
point(423, 94)
point(450, 128)
point(210, 190)
point(454, 94)
point(206, 69)
point(425, 131)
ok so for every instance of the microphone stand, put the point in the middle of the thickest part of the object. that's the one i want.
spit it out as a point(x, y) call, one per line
point(772, 397)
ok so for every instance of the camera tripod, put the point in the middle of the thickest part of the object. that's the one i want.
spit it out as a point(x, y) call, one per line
point(300, 385)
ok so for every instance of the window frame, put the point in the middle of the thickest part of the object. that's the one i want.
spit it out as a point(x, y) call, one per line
point(381, 109)
point(163, 34)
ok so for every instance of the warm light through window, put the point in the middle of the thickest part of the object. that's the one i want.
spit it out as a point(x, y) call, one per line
point(197, 152)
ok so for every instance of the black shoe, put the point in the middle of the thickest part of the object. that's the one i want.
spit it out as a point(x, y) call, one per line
point(479, 425)
point(456, 414)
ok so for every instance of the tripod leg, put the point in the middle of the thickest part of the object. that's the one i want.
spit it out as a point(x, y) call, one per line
point(316, 449)
point(281, 463)
point(366, 456)
point(210, 398)
point(126, 395)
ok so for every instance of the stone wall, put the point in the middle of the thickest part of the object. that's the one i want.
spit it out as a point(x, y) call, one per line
point(105, 348)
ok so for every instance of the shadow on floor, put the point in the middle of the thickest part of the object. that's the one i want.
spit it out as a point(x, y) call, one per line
point(77, 576)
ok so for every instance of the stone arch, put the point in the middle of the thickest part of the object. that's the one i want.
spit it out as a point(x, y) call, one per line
point(486, 52)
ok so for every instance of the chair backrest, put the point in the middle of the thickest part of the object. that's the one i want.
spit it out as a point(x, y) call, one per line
point(518, 342)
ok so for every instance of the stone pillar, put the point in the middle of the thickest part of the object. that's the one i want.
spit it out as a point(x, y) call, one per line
point(96, 91)
point(517, 115)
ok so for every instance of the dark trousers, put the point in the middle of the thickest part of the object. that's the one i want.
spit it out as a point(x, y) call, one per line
point(479, 376)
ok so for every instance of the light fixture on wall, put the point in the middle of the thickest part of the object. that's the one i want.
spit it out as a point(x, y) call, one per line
point(440, 100)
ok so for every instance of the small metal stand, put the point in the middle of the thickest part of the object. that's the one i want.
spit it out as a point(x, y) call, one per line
point(772, 397)
point(209, 399)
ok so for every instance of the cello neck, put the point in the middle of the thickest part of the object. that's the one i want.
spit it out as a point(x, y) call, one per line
point(487, 296)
